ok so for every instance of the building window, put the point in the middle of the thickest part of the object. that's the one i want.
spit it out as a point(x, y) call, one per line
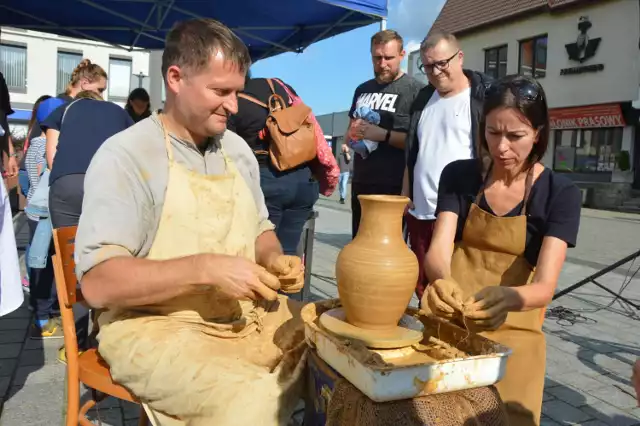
point(119, 79)
point(533, 57)
point(13, 64)
point(67, 62)
point(495, 61)
point(587, 150)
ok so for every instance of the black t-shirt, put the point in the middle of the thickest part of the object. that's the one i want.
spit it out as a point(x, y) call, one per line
point(87, 124)
point(553, 208)
point(385, 165)
point(251, 117)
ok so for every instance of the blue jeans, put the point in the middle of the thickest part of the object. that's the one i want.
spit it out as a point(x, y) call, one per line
point(290, 197)
point(342, 184)
point(23, 181)
point(42, 290)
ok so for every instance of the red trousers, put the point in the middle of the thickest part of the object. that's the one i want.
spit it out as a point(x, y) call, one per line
point(420, 233)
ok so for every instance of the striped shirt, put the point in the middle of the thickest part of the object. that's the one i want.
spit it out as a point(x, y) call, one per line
point(35, 157)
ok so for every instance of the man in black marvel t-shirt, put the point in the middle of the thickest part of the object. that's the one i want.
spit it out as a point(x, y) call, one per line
point(390, 94)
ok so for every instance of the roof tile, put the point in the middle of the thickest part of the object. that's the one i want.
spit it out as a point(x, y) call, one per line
point(463, 15)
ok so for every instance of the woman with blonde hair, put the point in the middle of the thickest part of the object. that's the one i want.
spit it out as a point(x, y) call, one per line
point(86, 76)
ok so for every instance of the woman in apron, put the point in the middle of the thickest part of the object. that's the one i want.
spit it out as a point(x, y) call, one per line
point(504, 223)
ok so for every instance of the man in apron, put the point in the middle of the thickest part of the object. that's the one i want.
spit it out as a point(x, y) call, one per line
point(175, 242)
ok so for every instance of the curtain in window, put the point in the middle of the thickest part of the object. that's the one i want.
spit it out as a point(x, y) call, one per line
point(13, 64)
point(67, 62)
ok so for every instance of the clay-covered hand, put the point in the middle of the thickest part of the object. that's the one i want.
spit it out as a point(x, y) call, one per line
point(290, 272)
point(635, 379)
point(488, 308)
point(240, 278)
point(444, 298)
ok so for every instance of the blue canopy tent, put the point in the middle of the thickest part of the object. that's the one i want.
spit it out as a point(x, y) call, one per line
point(267, 27)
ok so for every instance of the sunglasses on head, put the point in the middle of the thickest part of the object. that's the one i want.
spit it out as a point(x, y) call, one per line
point(522, 89)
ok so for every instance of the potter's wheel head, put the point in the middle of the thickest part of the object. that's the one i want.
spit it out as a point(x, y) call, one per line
point(408, 332)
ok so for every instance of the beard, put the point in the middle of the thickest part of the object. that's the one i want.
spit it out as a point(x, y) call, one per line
point(386, 77)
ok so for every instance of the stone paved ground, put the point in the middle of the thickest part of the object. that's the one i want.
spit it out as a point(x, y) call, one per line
point(588, 362)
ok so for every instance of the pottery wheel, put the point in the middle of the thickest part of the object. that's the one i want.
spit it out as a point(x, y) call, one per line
point(408, 332)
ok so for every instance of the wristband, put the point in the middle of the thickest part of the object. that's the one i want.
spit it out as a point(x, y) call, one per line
point(387, 137)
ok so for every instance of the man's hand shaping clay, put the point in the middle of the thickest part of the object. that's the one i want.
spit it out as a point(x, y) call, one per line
point(290, 272)
point(240, 278)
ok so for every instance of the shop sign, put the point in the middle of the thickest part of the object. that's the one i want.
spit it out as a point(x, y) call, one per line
point(593, 116)
point(583, 49)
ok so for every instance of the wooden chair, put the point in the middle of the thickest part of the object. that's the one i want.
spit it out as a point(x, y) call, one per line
point(88, 368)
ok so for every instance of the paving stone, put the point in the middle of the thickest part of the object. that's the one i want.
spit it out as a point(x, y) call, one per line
point(12, 336)
point(10, 350)
point(611, 364)
point(39, 357)
point(108, 417)
point(572, 396)
point(4, 385)
point(7, 366)
point(36, 375)
point(628, 357)
point(611, 415)
point(14, 324)
point(106, 404)
point(20, 313)
point(36, 404)
point(564, 413)
point(131, 410)
point(615, 397)
point(547, 396)
point(594, 423)
point(43, 344)
point(578, 381)
point(545, 421)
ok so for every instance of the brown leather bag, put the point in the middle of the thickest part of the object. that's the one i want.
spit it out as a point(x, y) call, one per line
point(289, 130)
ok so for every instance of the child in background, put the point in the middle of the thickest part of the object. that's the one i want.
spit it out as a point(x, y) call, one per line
point(42, 297)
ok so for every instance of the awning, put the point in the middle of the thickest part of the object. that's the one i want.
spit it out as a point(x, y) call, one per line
point(267, 27)
point(20, 115)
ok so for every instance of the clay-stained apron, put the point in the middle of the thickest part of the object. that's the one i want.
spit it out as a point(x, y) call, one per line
point(492, 253)
point(204, 358)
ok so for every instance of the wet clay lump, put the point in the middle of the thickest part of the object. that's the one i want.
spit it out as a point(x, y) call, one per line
point(377, 272)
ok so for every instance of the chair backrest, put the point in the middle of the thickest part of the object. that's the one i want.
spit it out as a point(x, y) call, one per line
point(64, 242)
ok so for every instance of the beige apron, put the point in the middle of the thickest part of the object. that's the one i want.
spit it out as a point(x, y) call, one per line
point(204, 358)
point(492, 253)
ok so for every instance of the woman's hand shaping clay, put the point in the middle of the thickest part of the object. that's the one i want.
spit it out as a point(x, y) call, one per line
point(241, 279)
point(488, 309)
point(444, 298)
point(290, 272)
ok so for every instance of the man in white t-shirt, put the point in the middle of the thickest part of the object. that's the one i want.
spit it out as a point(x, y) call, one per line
point(444, 119)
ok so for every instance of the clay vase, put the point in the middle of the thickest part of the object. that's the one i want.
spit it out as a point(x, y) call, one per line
point(377, 272)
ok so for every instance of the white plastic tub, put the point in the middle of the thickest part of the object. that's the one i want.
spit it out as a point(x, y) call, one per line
point(414, 376)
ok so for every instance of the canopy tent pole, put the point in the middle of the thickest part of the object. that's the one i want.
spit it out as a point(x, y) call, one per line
point(156, 81)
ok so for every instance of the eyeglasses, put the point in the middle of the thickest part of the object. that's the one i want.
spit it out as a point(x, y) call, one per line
point(522, 89)
point(441, 65)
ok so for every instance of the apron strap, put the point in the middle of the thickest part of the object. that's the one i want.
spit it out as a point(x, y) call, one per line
point(527, 189)
point(167, 139)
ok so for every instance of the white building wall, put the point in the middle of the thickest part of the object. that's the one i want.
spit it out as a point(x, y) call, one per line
point(42, 60)
point(615, 21)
